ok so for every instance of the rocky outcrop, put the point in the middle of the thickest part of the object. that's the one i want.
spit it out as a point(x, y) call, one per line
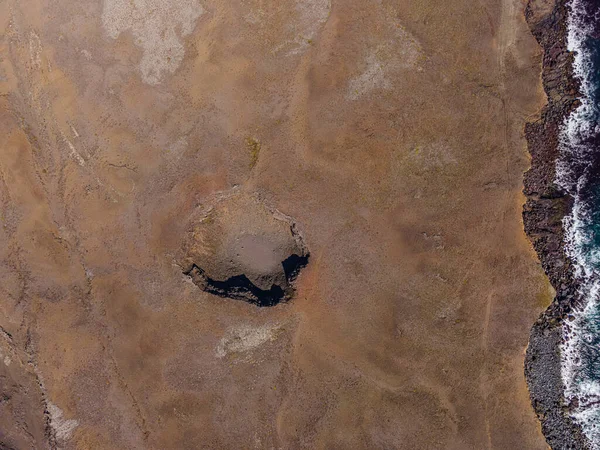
point(544, 210)
point(25, 421)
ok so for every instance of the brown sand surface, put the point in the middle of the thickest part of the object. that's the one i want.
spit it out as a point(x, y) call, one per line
point(390, 131)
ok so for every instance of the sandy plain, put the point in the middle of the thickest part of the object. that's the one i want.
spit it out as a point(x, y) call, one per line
point(391, 132)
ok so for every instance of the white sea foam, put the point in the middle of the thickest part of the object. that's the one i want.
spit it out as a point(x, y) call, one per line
point(578, 126)
point(578, 341)
point(579, 334)
point(588, 419)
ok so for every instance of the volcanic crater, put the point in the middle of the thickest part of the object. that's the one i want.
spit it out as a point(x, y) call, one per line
point(242, 249)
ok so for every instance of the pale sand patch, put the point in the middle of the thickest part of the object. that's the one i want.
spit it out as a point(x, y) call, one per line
point(436, 155)
point(74, 153)
point(5, 358)
point(63, 428)
point(245, 338)
point(302, 19)
point(35, 50)
point(400, 53)
point(175, 151)
point(372, 78)
point(157, 27)
point(312, 14)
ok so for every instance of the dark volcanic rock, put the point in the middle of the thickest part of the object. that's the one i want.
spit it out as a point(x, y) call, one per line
point(543, 213)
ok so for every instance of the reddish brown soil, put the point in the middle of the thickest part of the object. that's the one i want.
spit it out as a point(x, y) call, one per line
point(392, 132)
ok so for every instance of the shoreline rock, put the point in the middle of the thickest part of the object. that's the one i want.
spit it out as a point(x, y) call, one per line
point(546, 206)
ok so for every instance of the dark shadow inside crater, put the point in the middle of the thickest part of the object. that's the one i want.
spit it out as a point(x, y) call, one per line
point(292, 266)
point(239, 287)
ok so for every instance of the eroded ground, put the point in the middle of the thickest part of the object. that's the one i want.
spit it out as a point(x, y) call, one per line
point(391, 132)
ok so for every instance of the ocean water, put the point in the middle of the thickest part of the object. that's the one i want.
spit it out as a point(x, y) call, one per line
point(578, 171)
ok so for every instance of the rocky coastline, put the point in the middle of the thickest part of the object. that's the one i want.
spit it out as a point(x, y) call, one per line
point(543, 214)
